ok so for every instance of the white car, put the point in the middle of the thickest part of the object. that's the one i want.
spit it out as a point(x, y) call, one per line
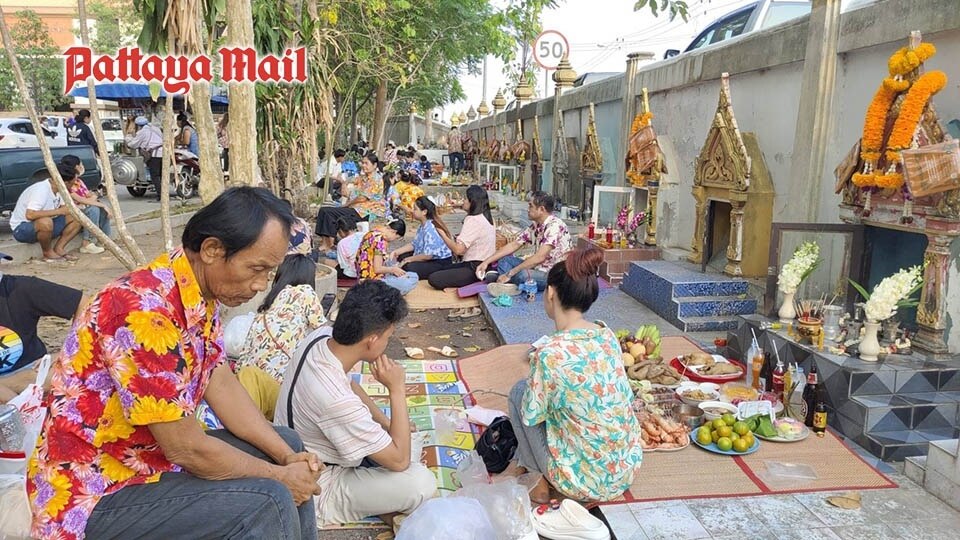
point(19, 133)
point(744, 20)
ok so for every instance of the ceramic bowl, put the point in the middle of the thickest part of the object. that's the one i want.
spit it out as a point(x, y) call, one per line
point(709, 406)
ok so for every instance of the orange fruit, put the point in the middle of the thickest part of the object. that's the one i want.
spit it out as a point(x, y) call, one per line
point(740, 428)
point(718, 423)
point(724, 444)
point(740, 446)
point(749, 438)
point(729, 419)
point(703, 437)
point(724, 431)
point(714, 436)
point(734, 437)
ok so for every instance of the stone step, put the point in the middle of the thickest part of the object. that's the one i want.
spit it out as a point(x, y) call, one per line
point(942, 474)
point(915, 468)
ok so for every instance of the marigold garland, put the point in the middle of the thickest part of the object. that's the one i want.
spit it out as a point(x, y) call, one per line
point(640, 120)
point(874, 123)
point(906, 59)
point(901, 137)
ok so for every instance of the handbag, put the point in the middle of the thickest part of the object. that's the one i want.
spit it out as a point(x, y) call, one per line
point(497, 445)
point(933, 168)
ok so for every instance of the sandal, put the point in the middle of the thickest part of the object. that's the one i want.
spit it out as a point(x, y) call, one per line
point(469, 313)
point(570, 522)
point(455, 314)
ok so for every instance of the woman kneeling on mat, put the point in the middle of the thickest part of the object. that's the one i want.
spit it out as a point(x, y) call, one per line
point(427, 254)
point(572, 415)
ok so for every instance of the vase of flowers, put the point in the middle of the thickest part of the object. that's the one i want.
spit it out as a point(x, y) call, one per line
point(805, 260)
point(889, 295)
point(629, 223)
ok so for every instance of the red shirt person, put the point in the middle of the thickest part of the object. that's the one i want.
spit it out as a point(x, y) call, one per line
point(121, 453)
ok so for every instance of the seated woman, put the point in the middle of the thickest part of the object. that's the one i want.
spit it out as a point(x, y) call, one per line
point(290, 311)
point(476, 242)
point(572, 415)
point(98, 212)
point(365, 202)
point(428, 253)
point(371, 262)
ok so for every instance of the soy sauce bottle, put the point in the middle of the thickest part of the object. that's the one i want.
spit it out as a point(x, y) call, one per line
point(820, 418)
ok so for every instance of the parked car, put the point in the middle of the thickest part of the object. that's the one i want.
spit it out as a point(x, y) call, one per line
point(747, 19)
point(21, 167)
point(19, 133)
point(58, 126)
point(112, 132)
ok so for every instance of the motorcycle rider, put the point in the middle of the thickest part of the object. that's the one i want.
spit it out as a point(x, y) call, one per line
point(149, 140)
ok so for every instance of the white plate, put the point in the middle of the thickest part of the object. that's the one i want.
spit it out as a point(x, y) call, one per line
point(806, 433)
point(719, 359)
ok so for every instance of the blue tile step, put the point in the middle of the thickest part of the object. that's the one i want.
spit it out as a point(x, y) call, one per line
point(690, 300)
point(720, 306)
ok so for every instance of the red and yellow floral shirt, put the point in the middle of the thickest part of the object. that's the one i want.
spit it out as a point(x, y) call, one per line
point(141, 353)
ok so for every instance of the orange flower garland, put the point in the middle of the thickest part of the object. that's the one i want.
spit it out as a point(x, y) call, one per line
point(906, 59)
point(872, 138)
point(910, 110)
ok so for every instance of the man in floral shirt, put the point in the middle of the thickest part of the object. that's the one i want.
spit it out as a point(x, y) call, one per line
point(547, 234)
point(121, 454)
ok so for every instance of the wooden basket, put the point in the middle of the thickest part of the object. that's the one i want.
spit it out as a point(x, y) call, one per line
point(932, 169)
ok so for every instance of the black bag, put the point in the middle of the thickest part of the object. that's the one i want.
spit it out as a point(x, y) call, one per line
point(497, 445)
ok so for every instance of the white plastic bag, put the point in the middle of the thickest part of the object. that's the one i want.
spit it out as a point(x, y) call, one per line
point(448, 518)
point(14, 508)
point(472, 471)
point(235, 334)
point(30, 404)
point(507, 504)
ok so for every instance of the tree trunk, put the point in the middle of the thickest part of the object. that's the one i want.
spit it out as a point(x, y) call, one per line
point(242, 128)
point(353, 121)
point(211, 173)
point(379, 115)
point(168, 169)
point(125, 258)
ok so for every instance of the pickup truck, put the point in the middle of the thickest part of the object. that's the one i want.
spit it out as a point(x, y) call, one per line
point(21, 167)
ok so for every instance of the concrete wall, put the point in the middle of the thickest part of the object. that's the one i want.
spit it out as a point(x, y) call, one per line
point(398, 130)
point(765, 70)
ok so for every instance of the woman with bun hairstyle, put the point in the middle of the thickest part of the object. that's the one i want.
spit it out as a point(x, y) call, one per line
point(428, 253)
point(572, 414)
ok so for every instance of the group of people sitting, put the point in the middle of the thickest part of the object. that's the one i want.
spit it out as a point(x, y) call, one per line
point(363, 228)
point(122, 453)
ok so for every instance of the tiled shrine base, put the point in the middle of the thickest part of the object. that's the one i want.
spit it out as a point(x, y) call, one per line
point(893, 407)
point(616, 261)
point(687, 298)
point(526, 322)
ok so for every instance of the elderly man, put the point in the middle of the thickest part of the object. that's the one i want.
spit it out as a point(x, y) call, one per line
point(40, 216)
point(149, 140)
point(121, 454)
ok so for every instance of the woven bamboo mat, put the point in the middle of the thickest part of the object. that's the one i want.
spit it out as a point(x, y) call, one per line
point(692, 473)
point(426, 297)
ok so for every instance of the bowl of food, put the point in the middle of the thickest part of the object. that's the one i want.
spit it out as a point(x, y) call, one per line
point(715, 409)
point(735, 392)
point(688, 415)
point(696, 393)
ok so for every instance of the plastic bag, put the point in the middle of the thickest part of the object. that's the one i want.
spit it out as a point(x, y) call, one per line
point(507, 504)
point(472, 471)
point(448, 518)
point(235, 334)
point(30, 404)
point(14, 508)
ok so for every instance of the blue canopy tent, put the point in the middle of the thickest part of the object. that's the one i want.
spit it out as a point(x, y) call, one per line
point(137, 91)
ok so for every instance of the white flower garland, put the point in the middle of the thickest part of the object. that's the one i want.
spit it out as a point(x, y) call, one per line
point(805, 259)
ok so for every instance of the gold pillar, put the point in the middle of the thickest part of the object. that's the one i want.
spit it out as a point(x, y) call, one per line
point(700, 225)
point(653, 187)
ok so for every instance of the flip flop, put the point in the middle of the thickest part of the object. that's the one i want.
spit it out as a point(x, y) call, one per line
point(455, 314)
point(415, 353)
point(470, 313)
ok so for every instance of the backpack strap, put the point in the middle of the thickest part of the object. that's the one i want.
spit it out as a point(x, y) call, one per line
point(296, 375)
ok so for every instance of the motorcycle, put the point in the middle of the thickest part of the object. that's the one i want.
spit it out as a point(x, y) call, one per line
point(131, 172)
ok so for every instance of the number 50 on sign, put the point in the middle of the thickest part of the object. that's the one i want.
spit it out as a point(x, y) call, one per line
point(549, 48)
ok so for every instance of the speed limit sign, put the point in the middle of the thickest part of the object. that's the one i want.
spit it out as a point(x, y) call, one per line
point(549, 48)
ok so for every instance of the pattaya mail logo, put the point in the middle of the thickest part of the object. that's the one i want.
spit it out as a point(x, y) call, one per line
point(176, 73)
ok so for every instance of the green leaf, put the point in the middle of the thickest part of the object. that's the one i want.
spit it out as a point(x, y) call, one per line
point(863, 292)
point(639, 5)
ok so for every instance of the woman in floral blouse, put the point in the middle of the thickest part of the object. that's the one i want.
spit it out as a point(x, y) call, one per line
point(366, 202)
point(290, 311)
point(572, 415)
point(372, 257)
point(428, 253)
